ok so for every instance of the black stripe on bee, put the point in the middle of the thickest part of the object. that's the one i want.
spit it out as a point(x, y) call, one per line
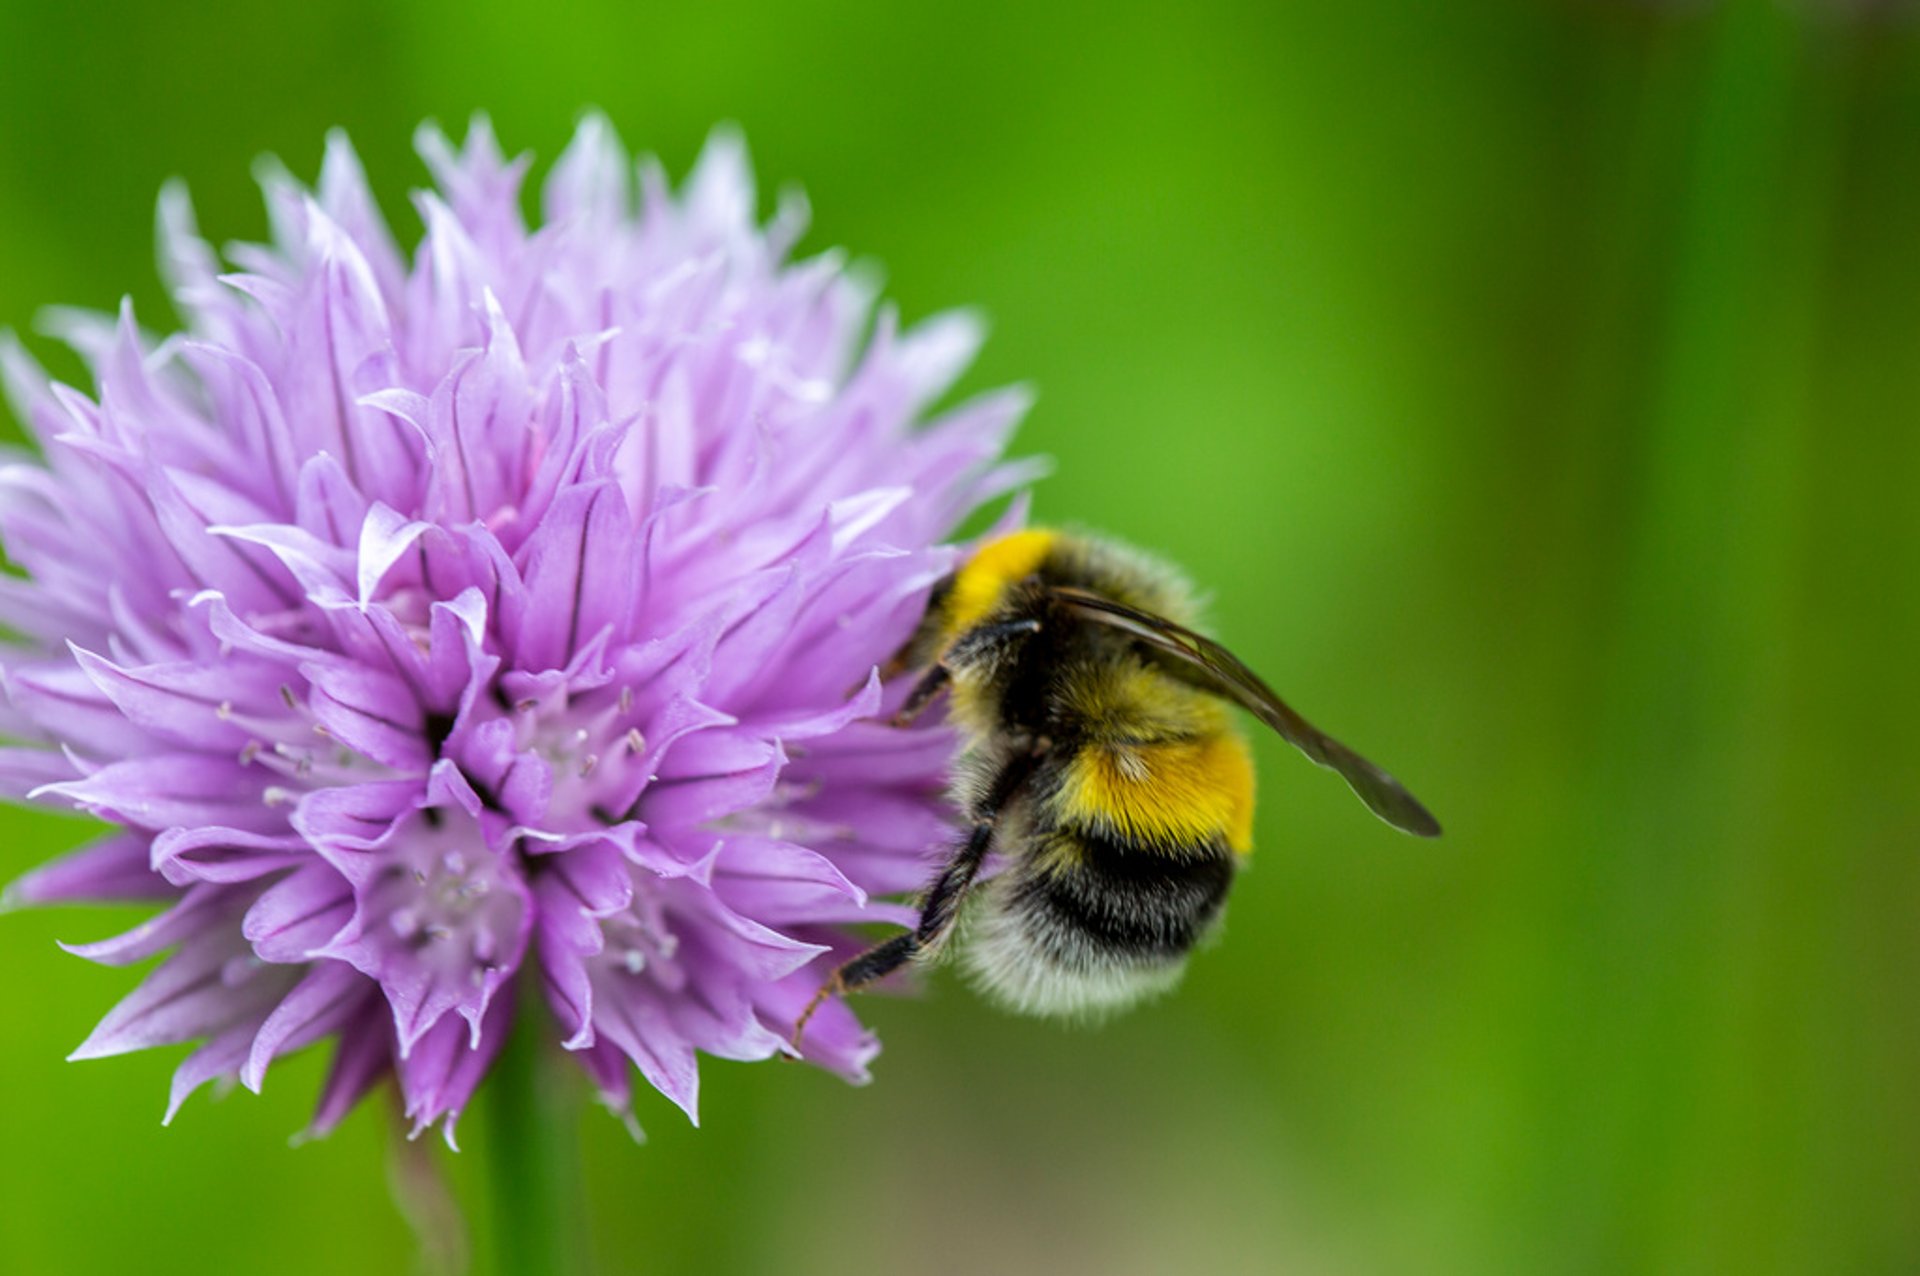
point(1125, 900)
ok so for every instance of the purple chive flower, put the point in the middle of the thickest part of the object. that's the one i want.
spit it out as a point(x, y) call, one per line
point(423, 625)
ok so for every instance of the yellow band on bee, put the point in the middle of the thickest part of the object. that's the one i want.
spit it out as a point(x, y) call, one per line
point(1176, 793)
point(999, 565)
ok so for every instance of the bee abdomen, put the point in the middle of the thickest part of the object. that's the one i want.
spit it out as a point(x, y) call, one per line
point(1094, 925)
point(1133, 900)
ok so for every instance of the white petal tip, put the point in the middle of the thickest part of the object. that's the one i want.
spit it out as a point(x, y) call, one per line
point(624, 1115)
point(175, 207)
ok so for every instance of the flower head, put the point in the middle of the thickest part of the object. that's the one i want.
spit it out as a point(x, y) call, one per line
point(425, 625)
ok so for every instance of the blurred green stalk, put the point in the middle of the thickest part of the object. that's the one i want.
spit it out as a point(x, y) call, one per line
point(533, 1153)
point(1690, 742)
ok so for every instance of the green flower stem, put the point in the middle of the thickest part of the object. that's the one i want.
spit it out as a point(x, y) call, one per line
point(1698, 702)
point(533, 1153)
point(417, 1175)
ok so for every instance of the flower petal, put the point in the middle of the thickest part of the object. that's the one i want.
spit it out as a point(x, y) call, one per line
point(329, 999)
point(211, 984)
point(108, 871)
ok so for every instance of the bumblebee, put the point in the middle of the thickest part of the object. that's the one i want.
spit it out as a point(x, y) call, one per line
point(1101, 761)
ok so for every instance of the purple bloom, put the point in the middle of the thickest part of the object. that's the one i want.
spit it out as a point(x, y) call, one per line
point(420, 623)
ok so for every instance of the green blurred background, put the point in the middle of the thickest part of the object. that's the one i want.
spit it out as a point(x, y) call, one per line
point(1535, 387)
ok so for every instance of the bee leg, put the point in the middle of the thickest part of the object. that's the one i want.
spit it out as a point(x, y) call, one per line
point(936, 919)
point(989, 642)
point(980, 645)
point(931, 684)
point(875, 963)
point(940, 907)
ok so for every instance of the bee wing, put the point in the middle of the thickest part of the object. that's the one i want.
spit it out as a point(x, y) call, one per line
point(1199, 660)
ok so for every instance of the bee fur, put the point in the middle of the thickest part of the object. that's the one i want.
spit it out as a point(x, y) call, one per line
point(1101, 761)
